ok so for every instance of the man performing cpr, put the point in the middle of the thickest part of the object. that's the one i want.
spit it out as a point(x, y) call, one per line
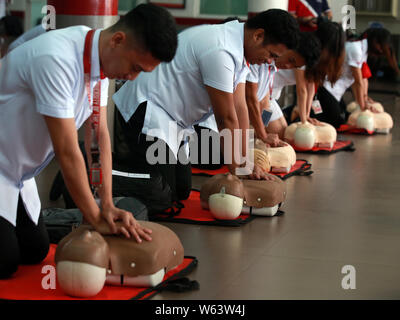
point(200, 81)
point(49, 87)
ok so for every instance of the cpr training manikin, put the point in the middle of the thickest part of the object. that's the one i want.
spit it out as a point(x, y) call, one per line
point(274, 159)
point(378, 121)
point(227, 196)
point(306, 136)
point(87, 260)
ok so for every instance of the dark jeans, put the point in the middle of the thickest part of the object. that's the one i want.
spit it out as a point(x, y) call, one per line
point(333, 112)
point(26, 243)
point(130, 147)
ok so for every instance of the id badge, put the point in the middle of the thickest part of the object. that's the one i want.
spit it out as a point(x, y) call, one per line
point(266, 117)
point(316, 106)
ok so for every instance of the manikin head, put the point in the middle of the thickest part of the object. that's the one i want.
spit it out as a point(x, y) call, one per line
point(139, 41)
point(86, 257)
point(268, 35)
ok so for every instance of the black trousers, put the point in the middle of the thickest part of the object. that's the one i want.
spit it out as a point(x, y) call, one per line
point(26, 243)
point(130, 148)
point(333, 112)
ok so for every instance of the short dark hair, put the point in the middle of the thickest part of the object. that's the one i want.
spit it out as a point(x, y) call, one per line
point(11, 26)
point(154, 28)
point(309, 48)
point(279, 27)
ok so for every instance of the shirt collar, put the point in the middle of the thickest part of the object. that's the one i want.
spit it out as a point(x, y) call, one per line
point(96, 73)
point(273, 67)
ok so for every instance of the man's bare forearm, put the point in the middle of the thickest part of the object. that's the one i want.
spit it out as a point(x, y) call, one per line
point(75, 176)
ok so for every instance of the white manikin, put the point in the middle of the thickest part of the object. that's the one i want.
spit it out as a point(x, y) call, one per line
point(307, 136)
point(380, 122)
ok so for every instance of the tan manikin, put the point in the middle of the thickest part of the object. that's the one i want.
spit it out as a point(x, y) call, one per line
point(273, 159)
point(307, 136)
point(379, 121)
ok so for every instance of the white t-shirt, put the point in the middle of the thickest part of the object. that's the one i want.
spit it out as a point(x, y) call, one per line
point(31, 34)
point(283, 78)
point(41, 77)
point(210, 121)
point(264, 75)
point(356, 55)
point(211, 55)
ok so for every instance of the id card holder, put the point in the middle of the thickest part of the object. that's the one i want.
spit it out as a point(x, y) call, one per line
point(316, 106)
point(266, 117)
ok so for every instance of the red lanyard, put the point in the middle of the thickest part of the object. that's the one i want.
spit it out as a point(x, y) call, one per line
point(95, 174)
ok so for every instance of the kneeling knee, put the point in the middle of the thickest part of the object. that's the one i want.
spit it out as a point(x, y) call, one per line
point(36, 255)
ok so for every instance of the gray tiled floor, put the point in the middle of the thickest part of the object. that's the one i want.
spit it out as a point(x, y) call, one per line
point(346, 213)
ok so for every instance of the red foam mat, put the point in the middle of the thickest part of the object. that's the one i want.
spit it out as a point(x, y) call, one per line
point(345, 128)
point(26, 283)
point(193, 213)
point(339, 145)
point(299, 168)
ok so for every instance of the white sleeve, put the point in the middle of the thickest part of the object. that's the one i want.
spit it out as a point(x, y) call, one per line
point(354, 55)
point(52, 80)
point(217, 69)
point(243, 75)
point(254, 73)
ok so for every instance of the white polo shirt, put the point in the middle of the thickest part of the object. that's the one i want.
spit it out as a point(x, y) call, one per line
point(356, 55)
point(264, 75)
point(41, 77)
point(210, 121)
point(283, 78)
point(211, 55)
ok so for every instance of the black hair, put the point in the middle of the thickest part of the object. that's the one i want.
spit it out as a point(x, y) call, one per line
point(332, 38)
point(380, 36)
point(11, 26)
point(279, 27)
point(154, 28)
point(309, 48)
